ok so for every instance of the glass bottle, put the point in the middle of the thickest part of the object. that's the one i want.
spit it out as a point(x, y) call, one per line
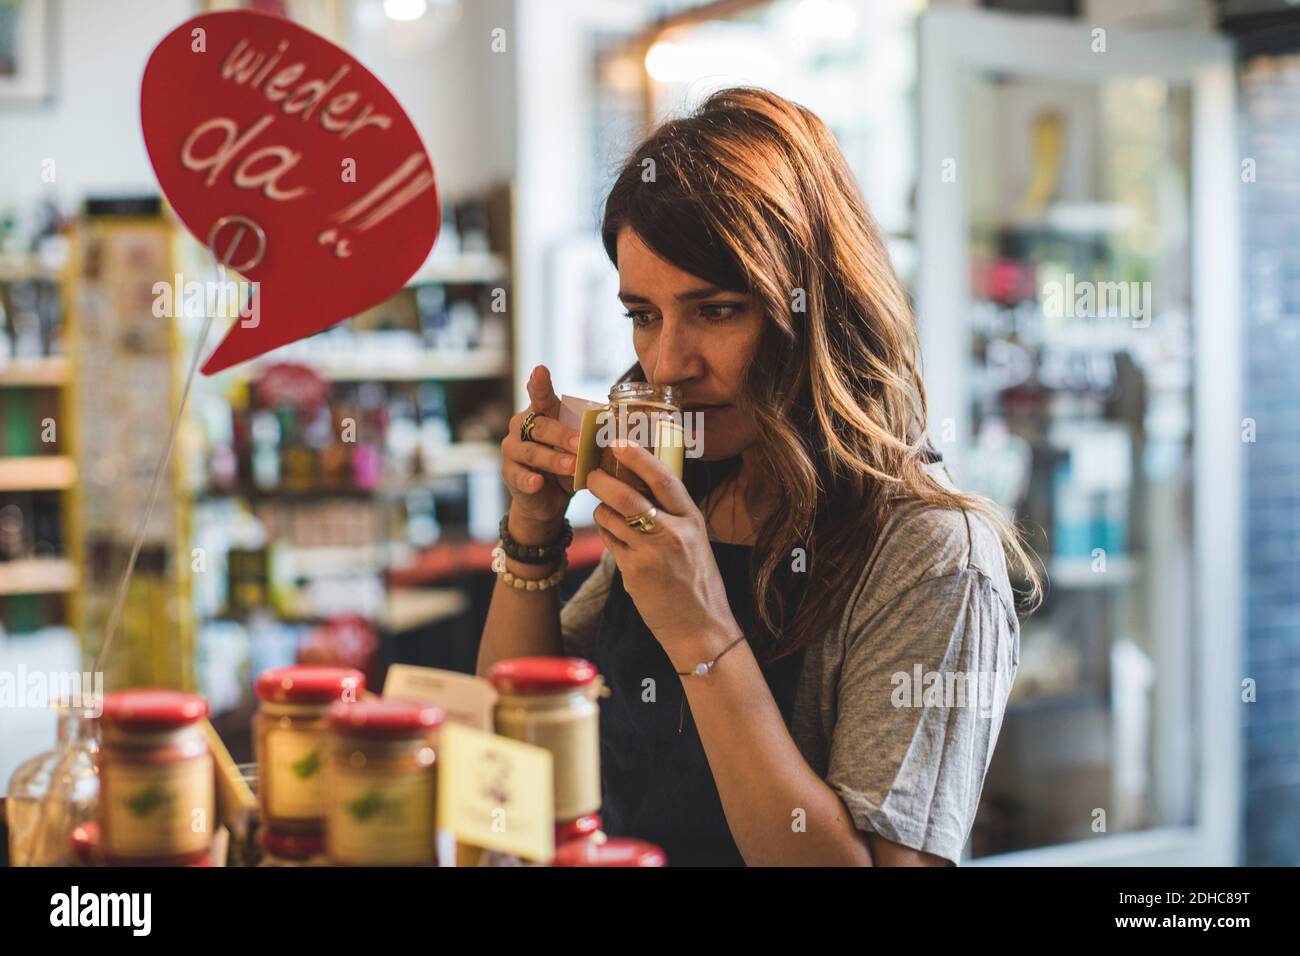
point(53, 793)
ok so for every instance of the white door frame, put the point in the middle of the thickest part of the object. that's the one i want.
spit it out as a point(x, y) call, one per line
point(956, 41)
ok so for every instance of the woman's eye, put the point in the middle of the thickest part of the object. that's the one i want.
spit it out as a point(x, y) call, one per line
point(639, 319)
point(719, 312)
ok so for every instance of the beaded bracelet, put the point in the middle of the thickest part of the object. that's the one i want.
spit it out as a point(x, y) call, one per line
point(535, 553)
point(526, 584)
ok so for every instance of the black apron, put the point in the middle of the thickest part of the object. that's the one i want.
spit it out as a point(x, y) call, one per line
point(656, 781)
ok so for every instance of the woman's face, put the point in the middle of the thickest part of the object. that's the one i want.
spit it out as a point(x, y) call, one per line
point(689, 333)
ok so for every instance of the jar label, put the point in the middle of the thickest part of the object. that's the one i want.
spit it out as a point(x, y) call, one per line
point(575, 751)
point(295, 761)
point(158, 810)
point(378, 820)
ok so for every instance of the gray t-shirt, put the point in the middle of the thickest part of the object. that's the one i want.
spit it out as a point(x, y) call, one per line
point(899, 707)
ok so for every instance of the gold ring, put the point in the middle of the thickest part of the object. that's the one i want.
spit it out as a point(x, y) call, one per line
point(526, 428)
point(644, 522)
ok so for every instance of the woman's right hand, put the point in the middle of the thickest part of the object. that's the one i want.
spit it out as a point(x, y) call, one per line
point(537, 471)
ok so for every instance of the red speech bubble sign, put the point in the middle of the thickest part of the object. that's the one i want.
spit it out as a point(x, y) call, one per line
point(254, 123)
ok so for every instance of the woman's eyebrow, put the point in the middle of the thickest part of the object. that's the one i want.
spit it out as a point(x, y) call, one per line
point(690, 295)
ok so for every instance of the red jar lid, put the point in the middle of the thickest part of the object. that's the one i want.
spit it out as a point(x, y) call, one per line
point(385, 718)
point(153, 709)
point(309, 684)
point(610, 853)
point(291, 846)
point(85, 841)
point(540, 675)
point(580, 829)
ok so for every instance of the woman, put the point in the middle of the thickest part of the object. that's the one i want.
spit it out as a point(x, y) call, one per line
point(763, 634)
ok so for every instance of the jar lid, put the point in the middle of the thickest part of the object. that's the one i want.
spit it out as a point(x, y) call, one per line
point(85, 841)
point(540, 675)
point(153, 709)
point(618, 852)
point(625, 391)
point(579, 829)
point(309, 684)
point(291, 846)
point(385, 718)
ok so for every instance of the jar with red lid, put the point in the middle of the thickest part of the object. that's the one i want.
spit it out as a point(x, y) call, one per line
point(585, 828)
point(380, 783)
point(550, 702)
point(290, 736)
point(157, 790)
point(291, 849)
point(613, 852)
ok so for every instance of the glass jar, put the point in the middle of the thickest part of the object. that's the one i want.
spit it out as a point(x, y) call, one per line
point(615, 852)
point(53, 793)
point(157, 790)
point(290, 733)
point(638, 407)
point(380, 783)
point(550, 702)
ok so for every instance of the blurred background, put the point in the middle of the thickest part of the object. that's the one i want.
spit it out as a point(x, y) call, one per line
point(1094, 203)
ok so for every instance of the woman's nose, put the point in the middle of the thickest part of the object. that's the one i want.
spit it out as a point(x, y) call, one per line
point(678, 358)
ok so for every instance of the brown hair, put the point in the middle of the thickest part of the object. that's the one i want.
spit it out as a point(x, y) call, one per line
point(751, 193)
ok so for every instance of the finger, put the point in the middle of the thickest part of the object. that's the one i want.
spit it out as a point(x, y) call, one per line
point(543, 396)
point(546, 430)
point(618, 494)
point(538, 456)
point(615, 526)
point(550, 431)
point(521, 479)
point(612, 544)
point(669, 492)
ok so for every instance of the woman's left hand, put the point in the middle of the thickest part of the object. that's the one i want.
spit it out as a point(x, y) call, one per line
point(670, 572)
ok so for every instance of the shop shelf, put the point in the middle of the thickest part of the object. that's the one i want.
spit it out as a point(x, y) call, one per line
point(466, 267)
point(410, 608)
point(26, 269)
point(412, 367)
point(45, 473)
point(37, 576)
point(48, 371)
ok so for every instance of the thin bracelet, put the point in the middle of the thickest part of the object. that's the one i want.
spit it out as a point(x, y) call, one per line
point(703, 668)
point(526, 584)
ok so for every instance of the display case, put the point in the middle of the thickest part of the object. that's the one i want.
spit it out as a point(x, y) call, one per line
point(1078, 305)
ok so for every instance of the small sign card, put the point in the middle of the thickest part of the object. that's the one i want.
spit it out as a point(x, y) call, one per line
point(466, 700)
point(495, 793)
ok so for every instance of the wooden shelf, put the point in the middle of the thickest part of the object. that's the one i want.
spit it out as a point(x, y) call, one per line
point(465, 267)
point(409, 608)
point(51, 371)
point(416, 367)
point(26, 269)
point(37, 576)
point(458, 458)
point(44, 473)
point(447, 560)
